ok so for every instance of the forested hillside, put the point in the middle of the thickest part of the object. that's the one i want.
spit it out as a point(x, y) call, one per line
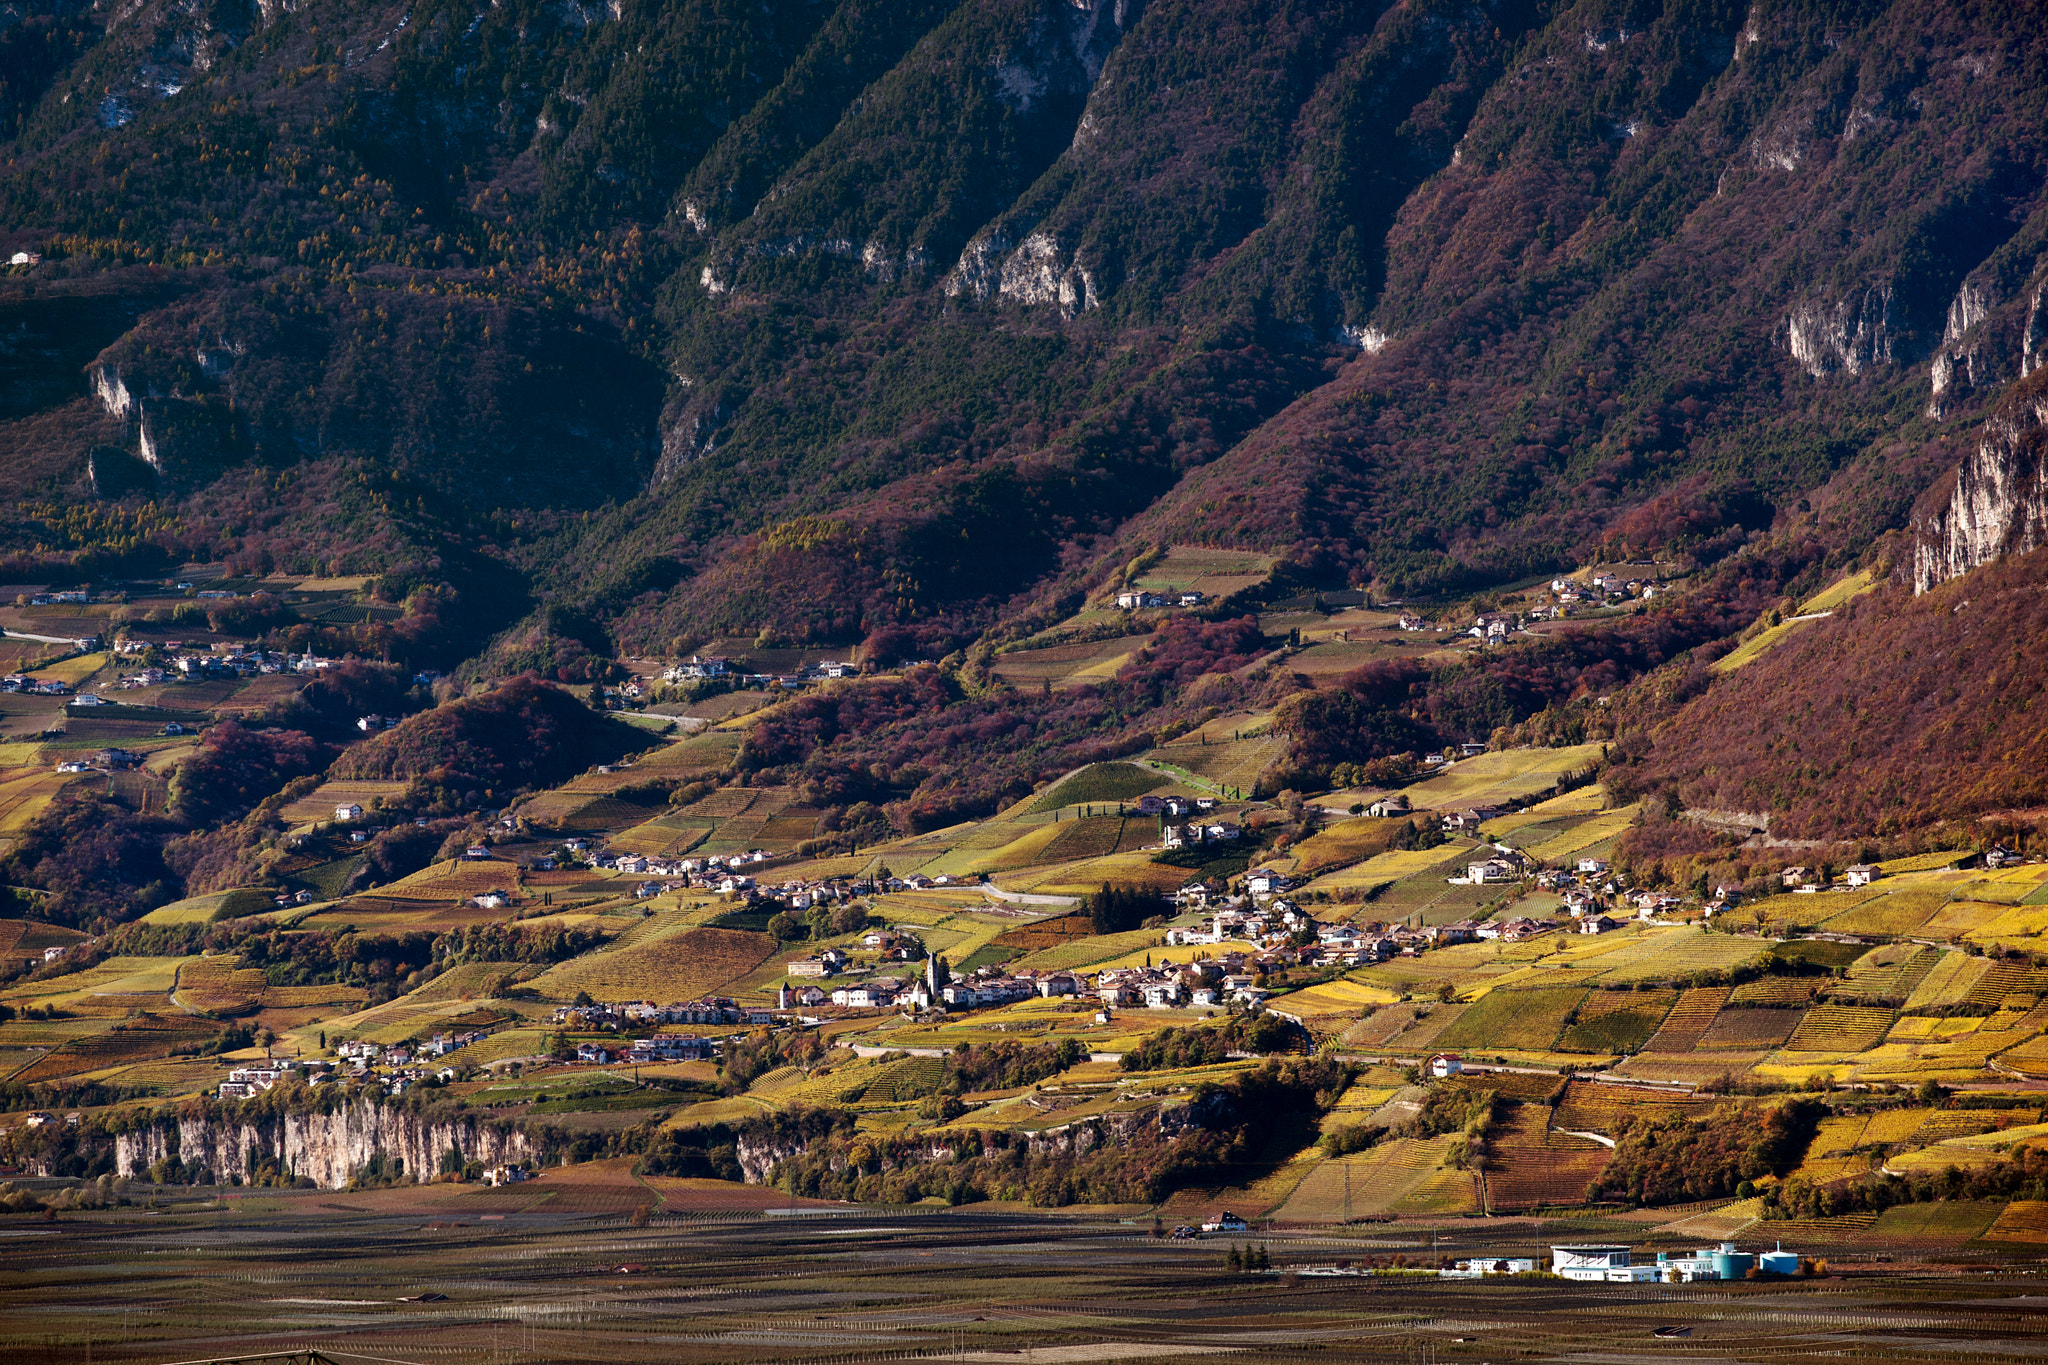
point(1432, 294)
point(578, 339)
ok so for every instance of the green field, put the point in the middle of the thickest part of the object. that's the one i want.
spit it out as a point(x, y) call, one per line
point(1522, 1020)
point(1827, 600)
point(1495, 777)
point(1100, 783)
point(1612, 1021)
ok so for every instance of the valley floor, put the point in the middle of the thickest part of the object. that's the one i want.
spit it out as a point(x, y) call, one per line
point(426, 1274)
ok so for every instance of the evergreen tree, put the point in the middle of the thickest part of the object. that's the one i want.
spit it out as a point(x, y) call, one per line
point(1115, 909)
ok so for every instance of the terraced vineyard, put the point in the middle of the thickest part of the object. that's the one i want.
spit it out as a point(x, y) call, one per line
point(2024, 1220)
point(1750, 1030)
point(1616, 1021)
point(1839, 1028)
point(1092, 837)
point(1522, 1019)
point(677, 965)
point(1689, 1019)
point(1933, 1227)
point(1530, 1166)
point(899, 1082)
point(1903, 910)
point(1397, 1174)
point(1943, 1124)
point(1775, 992)
point(142, 1039)
point(1234, 765)
point(219, 985)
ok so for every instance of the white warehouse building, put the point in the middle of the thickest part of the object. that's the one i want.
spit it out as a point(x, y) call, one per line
point(1599, 1262)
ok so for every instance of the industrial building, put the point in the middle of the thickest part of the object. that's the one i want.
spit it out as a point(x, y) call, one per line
point(1612, 1264)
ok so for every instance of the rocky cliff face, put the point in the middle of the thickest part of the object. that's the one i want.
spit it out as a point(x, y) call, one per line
point(759, 1154)
point(1852, 334)
point(1997, 502)
point(1995, 329)
point(326, 1148)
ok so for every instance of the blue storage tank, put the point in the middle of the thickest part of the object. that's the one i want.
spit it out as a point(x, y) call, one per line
point(1779, 1262)
point(1732, 1265)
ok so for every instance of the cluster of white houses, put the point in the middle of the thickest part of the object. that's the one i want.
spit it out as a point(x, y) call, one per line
point(1137, 599)
point(707, 668)
point(1207, 983)
point(716, 1009)
point(403, 1065)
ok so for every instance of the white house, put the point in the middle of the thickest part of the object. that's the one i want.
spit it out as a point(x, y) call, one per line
point(1863, 874)
point(1445, 1064)
point(348, 810)
point(1161, 995)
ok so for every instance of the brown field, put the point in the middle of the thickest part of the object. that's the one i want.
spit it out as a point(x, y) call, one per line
point(1532, 1166)
point(688, 1196)
point(24, 793)
point(2024, 1220)
point(1591, 1106)
point(1045, 933)
point(32, 936)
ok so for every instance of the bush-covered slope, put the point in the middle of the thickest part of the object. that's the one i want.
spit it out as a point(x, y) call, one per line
point(522, 734)
point(1893, 714)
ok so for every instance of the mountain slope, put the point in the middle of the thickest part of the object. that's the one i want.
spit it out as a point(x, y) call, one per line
point(1425, 296)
